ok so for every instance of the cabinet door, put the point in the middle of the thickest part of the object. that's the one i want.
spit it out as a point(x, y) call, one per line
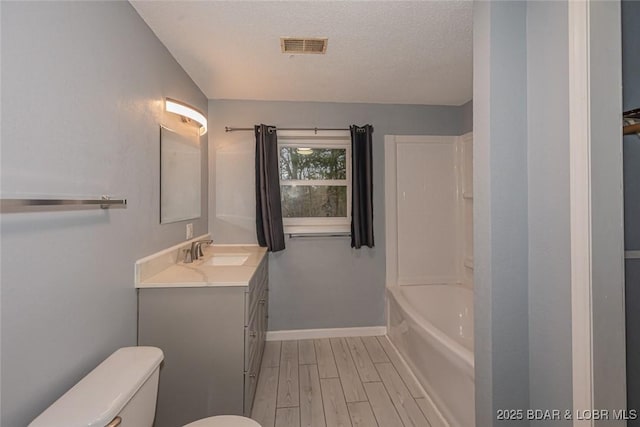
point(250, 383)
point(200, 331)
point(256, 286)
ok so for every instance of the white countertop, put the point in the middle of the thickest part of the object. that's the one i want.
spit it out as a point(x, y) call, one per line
point(200, 274)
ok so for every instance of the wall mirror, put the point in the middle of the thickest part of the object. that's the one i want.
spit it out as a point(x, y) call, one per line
point(180, 175)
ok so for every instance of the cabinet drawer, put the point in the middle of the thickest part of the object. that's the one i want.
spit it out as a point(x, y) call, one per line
point(251, 339)
point(257, 286)
point(251, 379)
point(255, 332)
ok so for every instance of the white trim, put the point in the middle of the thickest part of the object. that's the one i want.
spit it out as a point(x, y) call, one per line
point(317, 229)
point(305, 334)
point(320, 221)
point(631, 254)
point(580, 203)
point(320, 225)
point(391, 210)
point(427, 280)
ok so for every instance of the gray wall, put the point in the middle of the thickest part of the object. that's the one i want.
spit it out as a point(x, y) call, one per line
point(482, 214)
point(521, 218)
point(631, 100)
point(548, 210)
point(500, 209)
point(82, 85)
point(318, 282)
point(607, 223)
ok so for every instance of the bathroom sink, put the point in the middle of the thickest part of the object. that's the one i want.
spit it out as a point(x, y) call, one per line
point(227, 259)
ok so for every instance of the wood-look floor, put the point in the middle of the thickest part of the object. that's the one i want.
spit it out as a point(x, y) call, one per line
point(337, 382)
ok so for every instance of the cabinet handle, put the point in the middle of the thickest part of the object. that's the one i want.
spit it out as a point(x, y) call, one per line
point(252, 375)
point(262, 301)
point(115, 422)
point(252, 334)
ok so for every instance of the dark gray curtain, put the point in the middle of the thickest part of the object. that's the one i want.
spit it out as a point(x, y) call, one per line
point(268, 207)
point(362, 186)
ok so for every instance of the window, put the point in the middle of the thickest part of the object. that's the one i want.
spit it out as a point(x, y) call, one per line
point(315, 182)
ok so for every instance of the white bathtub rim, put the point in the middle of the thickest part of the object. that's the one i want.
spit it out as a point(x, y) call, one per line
point(458, 286)
point(463, 357)
point(436, 338)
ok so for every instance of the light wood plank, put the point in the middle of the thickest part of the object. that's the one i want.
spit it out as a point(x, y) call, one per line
point(336, 383)
point(363, 362)
point(288, 417)
point(335, 407)
point(402, 369)
point(429, 413)
point(402, 399)
point(311, 410)
point(264, 404)
point(361, 415)
point(307, 352)
point(382, 406)
point(288, 391)
point(353, 390)
point(271, 356)
point(376, 352)
point(326, 363)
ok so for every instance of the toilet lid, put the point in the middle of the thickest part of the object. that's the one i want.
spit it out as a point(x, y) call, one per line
point(224, 421)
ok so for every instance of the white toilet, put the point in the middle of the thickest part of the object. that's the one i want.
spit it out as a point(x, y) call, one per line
point(121, 392)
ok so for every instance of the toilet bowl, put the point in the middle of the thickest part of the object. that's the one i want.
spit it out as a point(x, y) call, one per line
point(224, 421)
point(121, 392)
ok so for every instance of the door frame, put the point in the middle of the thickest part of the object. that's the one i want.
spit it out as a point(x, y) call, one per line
point(580, 208)
point(596, 202)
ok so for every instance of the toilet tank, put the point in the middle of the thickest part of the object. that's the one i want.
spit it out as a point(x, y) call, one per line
point(124, 385)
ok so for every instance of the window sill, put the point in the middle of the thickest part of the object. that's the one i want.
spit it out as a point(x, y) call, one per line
point(317, 229)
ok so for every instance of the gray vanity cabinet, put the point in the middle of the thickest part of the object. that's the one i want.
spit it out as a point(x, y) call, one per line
point(213, 339)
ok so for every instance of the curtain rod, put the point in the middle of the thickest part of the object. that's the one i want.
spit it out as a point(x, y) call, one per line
point(231, 129)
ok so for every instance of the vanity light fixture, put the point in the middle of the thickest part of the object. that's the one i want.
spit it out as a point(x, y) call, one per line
point(304, 151)
point(187, 112)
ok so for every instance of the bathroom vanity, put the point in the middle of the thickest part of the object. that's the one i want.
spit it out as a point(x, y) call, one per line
point(209, 317)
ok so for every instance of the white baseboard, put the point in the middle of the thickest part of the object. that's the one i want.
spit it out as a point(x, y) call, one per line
point(304, 334)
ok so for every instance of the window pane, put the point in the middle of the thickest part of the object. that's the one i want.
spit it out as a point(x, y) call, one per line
point(304, 201)
point(313, 163)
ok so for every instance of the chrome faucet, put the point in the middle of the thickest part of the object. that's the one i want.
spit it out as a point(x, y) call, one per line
point(196, 248)
point(195, 251)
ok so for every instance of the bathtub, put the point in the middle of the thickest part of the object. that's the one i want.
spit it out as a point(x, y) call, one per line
point(432, 327)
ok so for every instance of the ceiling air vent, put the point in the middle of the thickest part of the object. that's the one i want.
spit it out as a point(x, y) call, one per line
point(303, 45)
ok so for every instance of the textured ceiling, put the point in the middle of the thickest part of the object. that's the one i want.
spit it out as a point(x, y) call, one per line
point(405, 52)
